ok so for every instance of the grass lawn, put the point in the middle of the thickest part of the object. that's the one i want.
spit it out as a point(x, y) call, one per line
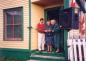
point(9, 59)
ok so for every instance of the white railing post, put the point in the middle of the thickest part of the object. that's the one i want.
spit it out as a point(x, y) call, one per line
point(70, 50)
point(79, 43)
point(84, 46)
point(75, 51)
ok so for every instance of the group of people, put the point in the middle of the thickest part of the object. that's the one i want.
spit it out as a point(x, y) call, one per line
point(49, 35)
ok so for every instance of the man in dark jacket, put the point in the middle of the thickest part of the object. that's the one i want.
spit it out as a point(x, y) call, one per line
point(56, 31)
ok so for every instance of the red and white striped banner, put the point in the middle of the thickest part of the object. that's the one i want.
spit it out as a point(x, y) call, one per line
point(82, 23)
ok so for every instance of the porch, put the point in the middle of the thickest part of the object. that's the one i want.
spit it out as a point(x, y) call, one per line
point(39, 10)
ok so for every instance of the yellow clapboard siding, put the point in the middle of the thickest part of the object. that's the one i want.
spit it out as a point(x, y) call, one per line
point(5, 4)
point(37, 12)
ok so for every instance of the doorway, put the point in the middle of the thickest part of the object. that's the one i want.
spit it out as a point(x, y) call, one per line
point(54, 13)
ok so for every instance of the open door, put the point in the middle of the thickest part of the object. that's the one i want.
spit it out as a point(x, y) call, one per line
point(54, 13)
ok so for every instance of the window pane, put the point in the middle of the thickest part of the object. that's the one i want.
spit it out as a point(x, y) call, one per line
point(9, 32)
point(9, 18)
point(17, 19)
point(9, 29)
point(9, 35)
point(17, 31)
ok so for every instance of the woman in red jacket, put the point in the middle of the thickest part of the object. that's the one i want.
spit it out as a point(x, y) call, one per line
point(41, 34)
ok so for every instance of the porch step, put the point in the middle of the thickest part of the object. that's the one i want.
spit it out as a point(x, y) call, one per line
point(45, 58)
point(42, 57)
point(48, 54)
point(48, 57)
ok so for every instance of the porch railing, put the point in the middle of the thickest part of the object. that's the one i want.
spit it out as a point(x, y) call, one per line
point(77, 49)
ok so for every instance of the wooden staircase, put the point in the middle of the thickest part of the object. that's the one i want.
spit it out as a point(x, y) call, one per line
point(45, 56)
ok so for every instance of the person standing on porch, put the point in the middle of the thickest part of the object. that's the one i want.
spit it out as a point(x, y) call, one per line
point(56, 31)
point(49, 36)
point(41, 34)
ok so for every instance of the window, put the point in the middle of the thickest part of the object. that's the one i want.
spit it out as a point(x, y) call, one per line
point(13, 23)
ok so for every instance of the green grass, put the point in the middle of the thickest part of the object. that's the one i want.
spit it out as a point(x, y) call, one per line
point(9, 59)
point(12, 59)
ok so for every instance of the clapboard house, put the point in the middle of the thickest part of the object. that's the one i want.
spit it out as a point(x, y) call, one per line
point(18, 21)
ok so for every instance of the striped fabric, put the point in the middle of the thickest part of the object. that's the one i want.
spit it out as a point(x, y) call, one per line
point(82, 23)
